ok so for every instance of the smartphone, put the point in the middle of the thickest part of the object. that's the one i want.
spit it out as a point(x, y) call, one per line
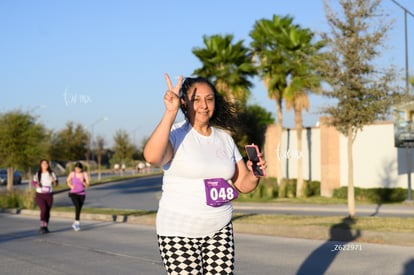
point(253, 155)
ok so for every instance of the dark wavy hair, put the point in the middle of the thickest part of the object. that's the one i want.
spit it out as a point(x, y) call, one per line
point(224, 115)
point(78, 165)
point(39, 171)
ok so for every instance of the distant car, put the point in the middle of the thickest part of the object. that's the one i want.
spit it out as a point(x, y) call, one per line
point(3, 177)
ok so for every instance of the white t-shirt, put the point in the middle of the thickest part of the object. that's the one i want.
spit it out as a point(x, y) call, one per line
point(47, 182)
point(182, 208)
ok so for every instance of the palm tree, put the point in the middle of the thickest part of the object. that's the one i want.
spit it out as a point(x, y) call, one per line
point(270, 38)
point(228, 65)
point(286, 56)
point(304, 78)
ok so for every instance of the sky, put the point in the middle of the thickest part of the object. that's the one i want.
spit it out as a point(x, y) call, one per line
point(100, 63)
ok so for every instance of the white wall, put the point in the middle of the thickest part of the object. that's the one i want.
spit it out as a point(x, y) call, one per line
point(290, 154)
point(377, 163)
point(376, 160)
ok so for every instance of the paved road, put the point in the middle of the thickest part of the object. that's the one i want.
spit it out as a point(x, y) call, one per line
point(119, 248)
point(139, 193)
point(144, 193)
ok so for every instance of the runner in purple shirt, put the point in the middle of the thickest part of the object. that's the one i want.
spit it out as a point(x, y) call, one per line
point(77, 181)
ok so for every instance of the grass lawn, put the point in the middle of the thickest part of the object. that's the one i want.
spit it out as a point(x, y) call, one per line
point(387, 224)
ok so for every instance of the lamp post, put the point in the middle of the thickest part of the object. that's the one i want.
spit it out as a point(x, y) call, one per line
point(406, 12)
point(29, 172)
point(407, 90)
point(92, 127)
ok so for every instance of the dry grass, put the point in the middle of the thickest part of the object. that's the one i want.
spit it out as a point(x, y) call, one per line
point(383, 224)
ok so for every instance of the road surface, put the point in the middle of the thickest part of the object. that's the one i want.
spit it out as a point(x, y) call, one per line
point(118, 248)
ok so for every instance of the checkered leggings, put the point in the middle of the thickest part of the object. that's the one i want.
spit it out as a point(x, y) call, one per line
point(201, 256)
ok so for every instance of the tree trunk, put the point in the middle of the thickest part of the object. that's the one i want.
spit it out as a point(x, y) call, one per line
point(99, 163)
point(299, 183)
point(223, 87)
point(10, 179)
point(351, 192)
point(30, 176)
point(279, 126)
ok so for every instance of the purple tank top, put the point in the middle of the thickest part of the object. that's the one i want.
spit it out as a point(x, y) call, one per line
point(77, 183)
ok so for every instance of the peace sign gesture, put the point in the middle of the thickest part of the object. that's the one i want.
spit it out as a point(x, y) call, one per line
point(171, 97)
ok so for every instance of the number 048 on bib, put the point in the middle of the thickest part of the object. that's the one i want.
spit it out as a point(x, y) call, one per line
point(219, 192)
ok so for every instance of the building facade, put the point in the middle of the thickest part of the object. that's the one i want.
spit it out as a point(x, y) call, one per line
point(377, 162)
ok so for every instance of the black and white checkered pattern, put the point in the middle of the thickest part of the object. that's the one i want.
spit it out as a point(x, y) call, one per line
point(202, 256)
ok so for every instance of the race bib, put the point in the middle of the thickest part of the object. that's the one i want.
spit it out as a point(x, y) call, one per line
point(46, 189)
point(219, 192)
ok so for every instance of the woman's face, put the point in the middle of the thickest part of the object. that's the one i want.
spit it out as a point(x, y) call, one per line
point(78, 170)
point(44, 165)
point(200, 103)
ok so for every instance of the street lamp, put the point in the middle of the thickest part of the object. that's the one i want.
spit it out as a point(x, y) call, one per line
point(92, 127)
point(406, 11)
point(32, 111)
point(407, 89)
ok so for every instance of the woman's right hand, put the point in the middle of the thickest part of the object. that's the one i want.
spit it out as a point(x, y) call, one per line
point(171, 97)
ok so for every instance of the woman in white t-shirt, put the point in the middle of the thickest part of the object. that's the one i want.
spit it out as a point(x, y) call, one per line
point(198, 157)
point(44, 180)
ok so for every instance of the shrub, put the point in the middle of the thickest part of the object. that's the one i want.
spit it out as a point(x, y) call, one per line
point(23, 199)
point(379, 195)
point(315, 188)
point(291, 188)
point(27, 200)
point(266, 190)
point(376, 195)
point(287, 188)
point(8, 200)
point(341, 192)
point(311, 188)
point(283, 188)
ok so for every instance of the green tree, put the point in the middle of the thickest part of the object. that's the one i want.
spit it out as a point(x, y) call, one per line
point(228, 65)
point(284, 53)
point(23, 142)
point(267, 46)
point(70, 143)
point(361, 88)
point(253, 122)
point(123, 148)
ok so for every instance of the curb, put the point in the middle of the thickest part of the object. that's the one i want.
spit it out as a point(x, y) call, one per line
point(142, 219)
